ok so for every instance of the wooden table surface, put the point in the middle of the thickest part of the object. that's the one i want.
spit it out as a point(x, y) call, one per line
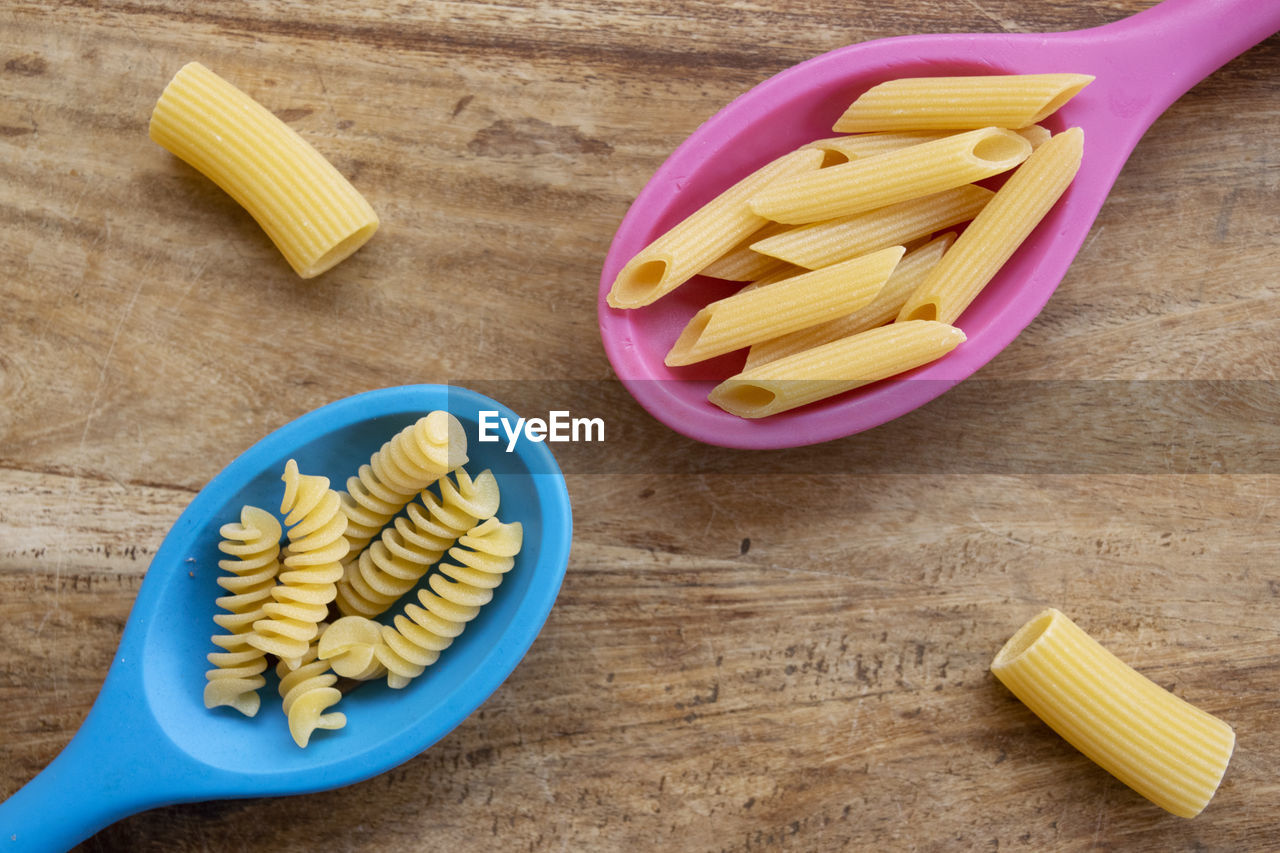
point(749, 651)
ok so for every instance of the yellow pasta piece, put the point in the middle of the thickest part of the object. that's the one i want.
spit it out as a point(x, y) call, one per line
point(705, 235)
point(821, 244)
point(1166, 749)
point(911, 270)
point(892, 177)
point(308, 209)
point(997, 231)
point(796, 303)
point(741, 263)
point(394, 563)
point(238, 668)
point(348, 646)
point(1036, 134)
point(417, 456)
point(842, 149)
point(307, 692)
point(824, 371)
point(782, 272)
point(313, 567)
point(484, 556)
point(960, 103)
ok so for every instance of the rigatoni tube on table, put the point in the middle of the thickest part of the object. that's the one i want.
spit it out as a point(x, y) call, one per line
point(1166, 749)
point(310, 211)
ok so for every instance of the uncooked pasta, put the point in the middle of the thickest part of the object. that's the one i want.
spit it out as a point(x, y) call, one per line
point(457, 592)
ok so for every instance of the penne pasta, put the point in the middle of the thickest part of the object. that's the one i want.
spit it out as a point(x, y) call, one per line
point(892, 177)
point(1036, 134)
point(841, 149)
point(805, 300)
point(821, 244)
point(997, 231)
point(741, 263)
point(308, 209)
point(911, 270)
point(1166, 749)
point(833, 368)
point(879, 187)
point(783, 272)
point(705, 235)
point(960, 103)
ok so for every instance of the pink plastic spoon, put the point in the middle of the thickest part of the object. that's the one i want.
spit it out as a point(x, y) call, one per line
point(1142, 64)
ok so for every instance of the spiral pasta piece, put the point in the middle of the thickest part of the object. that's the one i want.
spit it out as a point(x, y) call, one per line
point(255, 543)
point(313, 567)
point(413, 459)
point(348, 645)
point(457, 592)
point(393, 564)
point(307, 692)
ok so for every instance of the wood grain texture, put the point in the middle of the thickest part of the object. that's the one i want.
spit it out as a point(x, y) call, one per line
point(750, 652)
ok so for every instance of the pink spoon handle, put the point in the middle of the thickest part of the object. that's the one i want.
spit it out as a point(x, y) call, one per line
point(1147, 61)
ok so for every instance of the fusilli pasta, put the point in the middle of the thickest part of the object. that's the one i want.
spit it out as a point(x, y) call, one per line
point(415, 458)
point(485, 553)
point(255, 543)
point(307, 692)
point(313, 566)
point(348, 646)
point(391, 566)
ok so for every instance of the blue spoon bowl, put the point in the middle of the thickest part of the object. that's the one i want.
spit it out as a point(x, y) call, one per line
point(149, 741)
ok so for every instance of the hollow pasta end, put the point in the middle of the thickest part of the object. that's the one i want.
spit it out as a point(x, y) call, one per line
point(1002, 147)
point(684, 350)
point(343, 250)
point(1078, 82)
point(1022, 641)
point(744, 399)
point(923, 311)
point(639, 285)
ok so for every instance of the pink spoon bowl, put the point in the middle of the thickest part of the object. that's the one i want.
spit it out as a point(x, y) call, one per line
point(1142, 64)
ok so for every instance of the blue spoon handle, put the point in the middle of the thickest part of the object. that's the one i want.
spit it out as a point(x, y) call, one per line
point(117, 764)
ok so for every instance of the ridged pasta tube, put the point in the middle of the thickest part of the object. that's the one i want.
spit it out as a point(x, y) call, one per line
point(834, 368)
point(457, 593)
point(308, 209)
point(1166, 749)
point(391, 566)
point(960, 103)
point(703, 236)
point(313, 567)
point(805, 300)
point(255, 543)
point(892, 177)
point(907, 275)
point(841, 149)
point(307, 692)
point(998, 230)
point(413, 459)
point(742, 263)
point(821, 244)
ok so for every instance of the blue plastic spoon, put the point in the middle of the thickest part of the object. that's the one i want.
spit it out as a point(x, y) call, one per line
point(149, 741)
